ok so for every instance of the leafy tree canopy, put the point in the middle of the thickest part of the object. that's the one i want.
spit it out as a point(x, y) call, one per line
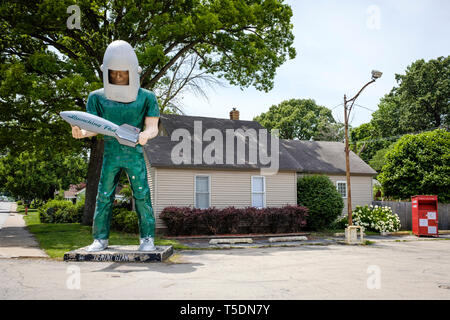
point(37, 175)
point(424, 94)
point(46, 67)
point(301, 119)
point(366, 141)
point(420, 102)
point(418, 165)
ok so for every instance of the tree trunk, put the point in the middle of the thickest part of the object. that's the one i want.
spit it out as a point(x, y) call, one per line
point(93, 178)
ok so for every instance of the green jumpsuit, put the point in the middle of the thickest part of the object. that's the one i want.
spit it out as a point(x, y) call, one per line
point(117, 157)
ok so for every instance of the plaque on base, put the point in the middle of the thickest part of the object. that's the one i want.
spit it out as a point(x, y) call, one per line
point(120, 254)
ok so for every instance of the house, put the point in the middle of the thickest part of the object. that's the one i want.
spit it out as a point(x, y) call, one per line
point(203, 162)
point(73, 193)
point(76, 191)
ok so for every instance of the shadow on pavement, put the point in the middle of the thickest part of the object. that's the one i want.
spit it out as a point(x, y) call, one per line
point(144, 267)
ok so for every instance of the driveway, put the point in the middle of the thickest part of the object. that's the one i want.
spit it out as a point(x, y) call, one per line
point(385, 270)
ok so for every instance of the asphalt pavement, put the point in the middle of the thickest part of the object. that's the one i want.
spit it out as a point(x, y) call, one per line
point(384, 270)
point(389, 267)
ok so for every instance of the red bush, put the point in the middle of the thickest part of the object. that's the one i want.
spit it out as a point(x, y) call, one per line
point(231, 220)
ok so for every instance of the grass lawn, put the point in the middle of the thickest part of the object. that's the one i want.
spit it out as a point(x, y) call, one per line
point(58, 238)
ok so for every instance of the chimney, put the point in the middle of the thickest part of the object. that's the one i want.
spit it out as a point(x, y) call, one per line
point(234, 114)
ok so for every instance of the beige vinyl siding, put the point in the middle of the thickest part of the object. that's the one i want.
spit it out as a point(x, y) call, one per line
point(281, 189)
point(361, 187)
point(175, 187)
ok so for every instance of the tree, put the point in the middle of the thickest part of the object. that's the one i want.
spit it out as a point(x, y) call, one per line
point(241, 42)
point(418, 164)
point(420, 102)
point(301, 119)
point(378, 160)
point(388, 120)
point(424, 93)
point(37, 175)
point(365, 141)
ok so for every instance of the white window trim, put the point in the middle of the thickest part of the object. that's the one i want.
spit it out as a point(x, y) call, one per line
point(264, 190)
point(346, 189)
point(195, 189)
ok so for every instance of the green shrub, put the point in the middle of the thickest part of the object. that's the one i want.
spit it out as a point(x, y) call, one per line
point(319, 195)
point(19, 202)
point(124, 220)
point(378, 219)
point(59, 211)
point(79, 206)
point(36, 203)
point(60, 195)
point(418, 164)
point(340, 223)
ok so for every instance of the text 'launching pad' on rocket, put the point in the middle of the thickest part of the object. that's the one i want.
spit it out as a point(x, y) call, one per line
point(125, 134)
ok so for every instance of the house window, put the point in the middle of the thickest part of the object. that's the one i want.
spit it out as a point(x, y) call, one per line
point(341, 187)
point(258, 192)
point(202, 192)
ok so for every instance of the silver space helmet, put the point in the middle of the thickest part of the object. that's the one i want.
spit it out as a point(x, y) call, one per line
point(119, 55)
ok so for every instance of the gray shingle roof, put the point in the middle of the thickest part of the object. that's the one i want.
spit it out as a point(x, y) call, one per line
point(325, 157)
point(170, 122)
point(294, 155)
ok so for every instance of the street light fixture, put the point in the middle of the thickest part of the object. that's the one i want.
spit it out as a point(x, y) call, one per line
point(375, 75)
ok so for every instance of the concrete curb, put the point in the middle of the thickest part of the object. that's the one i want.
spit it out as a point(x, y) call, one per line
point(231, 241)
point(287, 239)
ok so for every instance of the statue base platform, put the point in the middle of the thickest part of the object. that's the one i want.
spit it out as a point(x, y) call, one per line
point(120, 254)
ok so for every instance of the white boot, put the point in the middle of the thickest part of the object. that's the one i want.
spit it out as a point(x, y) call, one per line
point(147, 244)
point(98, 245)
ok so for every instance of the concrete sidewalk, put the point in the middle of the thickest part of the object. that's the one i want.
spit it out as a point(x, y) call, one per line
point(15, 239)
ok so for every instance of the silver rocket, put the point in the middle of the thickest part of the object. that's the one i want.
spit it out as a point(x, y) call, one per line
point(125, 134)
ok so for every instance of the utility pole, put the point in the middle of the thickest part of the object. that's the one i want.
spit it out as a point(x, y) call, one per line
point(375, 75)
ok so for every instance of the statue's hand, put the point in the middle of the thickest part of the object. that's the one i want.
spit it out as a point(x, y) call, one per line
point(78, 133)
point(144, 136)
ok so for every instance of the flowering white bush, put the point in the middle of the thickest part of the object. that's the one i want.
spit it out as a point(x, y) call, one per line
point(375, 218)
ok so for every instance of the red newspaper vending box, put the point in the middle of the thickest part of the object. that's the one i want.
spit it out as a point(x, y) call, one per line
point(425, 215)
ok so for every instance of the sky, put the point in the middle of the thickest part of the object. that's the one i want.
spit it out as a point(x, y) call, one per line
point(338, 44)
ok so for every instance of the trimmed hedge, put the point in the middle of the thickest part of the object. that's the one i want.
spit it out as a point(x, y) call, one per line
point(231, 220)
point(319, 195)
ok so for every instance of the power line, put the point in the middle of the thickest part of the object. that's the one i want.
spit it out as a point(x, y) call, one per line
point(336, 106)
point(358, 105)
point(400, 135)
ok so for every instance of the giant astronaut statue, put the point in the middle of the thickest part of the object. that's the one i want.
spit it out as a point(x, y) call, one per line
point(120, 101)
